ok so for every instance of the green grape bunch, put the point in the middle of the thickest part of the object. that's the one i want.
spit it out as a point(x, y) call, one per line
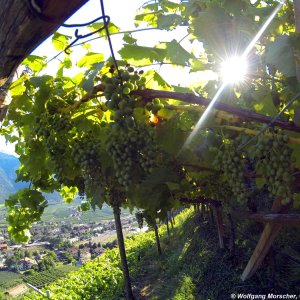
point(273, 159)
point(53, 130)
point(232, 163)
point(85, 152)
point(118, 85)
point(132, 150)
point(214, 190)
point(154, 106)
point(51, 124)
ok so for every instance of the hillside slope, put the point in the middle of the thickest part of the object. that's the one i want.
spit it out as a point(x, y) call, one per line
point(194, 268)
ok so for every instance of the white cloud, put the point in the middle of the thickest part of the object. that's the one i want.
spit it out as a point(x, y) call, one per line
point(6, 147)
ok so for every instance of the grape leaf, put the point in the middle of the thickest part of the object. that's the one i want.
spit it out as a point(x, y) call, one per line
point(128, 39)
point(68, 193)
point(170, 137)
point(88, 83)
point(90, 59)
point(266, 106)
point(35, 63)
point(169, 21)
point(161, 82)
point(17, 88)
point(169, 6)
point(60, 41)
point(281, 55)
point(142, 54)
point(112, 28)
point(176, 54)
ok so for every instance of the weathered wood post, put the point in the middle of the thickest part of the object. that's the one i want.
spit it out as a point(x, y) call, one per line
point(217, 209)
point(264, 244)
point(232, 235)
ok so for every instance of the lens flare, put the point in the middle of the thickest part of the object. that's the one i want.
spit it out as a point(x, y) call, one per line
point(234, 69)
point(230, 77)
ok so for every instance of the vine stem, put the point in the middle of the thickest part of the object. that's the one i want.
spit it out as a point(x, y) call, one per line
point(128, 288)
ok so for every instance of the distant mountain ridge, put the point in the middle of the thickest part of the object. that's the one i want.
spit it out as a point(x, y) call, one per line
point(8, 166)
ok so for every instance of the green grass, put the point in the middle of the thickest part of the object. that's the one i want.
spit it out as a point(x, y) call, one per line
point(193, 268)
point(9, 280)
point(66, 268)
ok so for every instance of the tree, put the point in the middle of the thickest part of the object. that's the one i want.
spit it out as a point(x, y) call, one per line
point(28, 253)
point(68, 257)
point(29, 272)
point(19, 254)
point(46, 263)
point(11, 262)
point(51, 254)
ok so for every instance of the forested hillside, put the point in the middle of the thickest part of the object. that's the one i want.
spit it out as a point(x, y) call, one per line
point(8, 166)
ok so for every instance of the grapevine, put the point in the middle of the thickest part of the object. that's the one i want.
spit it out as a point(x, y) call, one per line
point(140, 218)
point(132, 146)
point(132, 150)
point(232, 163)
point(85, 151)
point(117, 93)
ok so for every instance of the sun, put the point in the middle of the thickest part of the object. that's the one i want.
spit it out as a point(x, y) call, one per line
point(234, 69)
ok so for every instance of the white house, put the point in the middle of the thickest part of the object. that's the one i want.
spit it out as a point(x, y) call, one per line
point(25, 264)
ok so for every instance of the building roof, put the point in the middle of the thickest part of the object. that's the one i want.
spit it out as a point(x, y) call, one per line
point(27, 260)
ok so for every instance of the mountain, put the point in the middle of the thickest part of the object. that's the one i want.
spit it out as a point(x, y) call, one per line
point(8, 166)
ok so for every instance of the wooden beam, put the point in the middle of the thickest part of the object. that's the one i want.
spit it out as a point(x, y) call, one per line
point(264, 244)
point(219, 221)
point(26, 24)
point(149, 94)
point(245, 114)
point(232, 235)
point(297, 25)
point(282, 219)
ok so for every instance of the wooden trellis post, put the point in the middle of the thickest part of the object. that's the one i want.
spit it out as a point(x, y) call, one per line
point(232, 235)
point(264, 244)
point(219, 221)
